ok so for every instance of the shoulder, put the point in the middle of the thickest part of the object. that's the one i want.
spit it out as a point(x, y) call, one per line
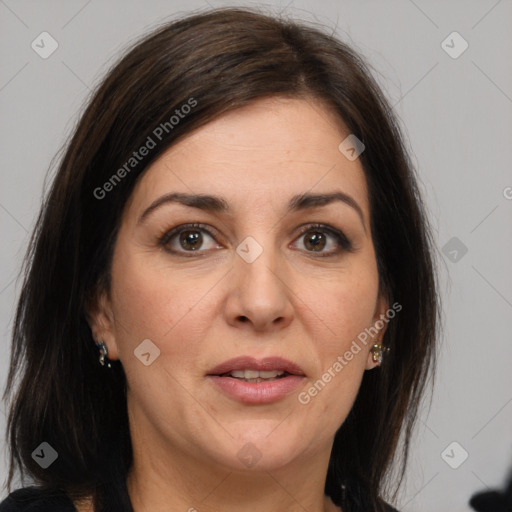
point(32, 499)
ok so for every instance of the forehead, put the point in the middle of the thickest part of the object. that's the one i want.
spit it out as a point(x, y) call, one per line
point(269, 150)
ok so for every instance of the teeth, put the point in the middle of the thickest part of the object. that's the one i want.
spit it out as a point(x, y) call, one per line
point(251, 374)
point(270, 374)
point(254, 374)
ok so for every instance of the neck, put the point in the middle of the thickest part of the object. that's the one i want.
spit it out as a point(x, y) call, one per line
point(222, 490)
point(164, 476)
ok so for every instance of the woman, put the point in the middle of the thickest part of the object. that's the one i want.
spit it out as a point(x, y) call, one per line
point(230, 298)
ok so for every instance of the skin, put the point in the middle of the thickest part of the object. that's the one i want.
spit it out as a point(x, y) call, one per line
point(201, 311)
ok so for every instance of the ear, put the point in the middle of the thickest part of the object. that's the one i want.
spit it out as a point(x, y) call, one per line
point(100, 317)
point(378, 328)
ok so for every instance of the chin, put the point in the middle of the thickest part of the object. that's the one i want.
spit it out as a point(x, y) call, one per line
point(262, 452)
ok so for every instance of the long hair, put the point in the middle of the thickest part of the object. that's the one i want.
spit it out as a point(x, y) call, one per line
point(215, 62)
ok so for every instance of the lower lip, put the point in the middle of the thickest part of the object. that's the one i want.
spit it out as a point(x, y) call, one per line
point(257, 392)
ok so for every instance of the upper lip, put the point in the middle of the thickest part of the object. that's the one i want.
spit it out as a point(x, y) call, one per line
point(251, 363)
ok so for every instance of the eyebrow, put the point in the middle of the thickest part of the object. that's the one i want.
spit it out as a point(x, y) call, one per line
point(217, 204)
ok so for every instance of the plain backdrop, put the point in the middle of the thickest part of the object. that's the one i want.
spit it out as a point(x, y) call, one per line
point(455, 104)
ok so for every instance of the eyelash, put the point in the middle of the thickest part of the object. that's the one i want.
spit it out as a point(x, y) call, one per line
point(340, 238)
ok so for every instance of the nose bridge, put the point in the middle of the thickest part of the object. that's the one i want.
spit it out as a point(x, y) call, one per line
point(258, 242)
point(259, 283)
point(257, 262)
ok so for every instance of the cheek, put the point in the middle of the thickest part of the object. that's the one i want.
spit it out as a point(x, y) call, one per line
point(162, 305)
point(166, 308)
point(340, 308)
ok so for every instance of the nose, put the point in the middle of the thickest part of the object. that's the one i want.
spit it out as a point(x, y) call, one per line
point(259, 295)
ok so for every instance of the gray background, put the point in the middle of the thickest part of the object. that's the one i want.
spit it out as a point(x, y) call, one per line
point(457, 113)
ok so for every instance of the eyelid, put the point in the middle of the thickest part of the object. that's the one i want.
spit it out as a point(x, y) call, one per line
point(344, 243)
point(170, 233)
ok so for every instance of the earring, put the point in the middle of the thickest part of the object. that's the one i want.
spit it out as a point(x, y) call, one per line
point(103, 354)
point(378, 352)
point(343, 492)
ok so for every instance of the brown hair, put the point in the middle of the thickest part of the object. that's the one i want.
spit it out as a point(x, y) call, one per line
point(222, 59)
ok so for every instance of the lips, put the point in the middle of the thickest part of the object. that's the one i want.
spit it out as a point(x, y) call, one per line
point(267, 364)
point(256, 381)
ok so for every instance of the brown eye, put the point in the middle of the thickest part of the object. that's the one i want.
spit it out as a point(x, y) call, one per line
point(190, 240)
point(317, 237)
point(315, 241)
point(186, 239)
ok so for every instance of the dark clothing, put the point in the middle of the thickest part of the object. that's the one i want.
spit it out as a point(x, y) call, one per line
point(493, 501)
point(30, 499)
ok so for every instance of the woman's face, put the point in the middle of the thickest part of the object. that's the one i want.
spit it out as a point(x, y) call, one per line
point(246, 283)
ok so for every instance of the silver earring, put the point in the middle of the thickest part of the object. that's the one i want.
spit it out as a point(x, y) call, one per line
point(103, 354)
